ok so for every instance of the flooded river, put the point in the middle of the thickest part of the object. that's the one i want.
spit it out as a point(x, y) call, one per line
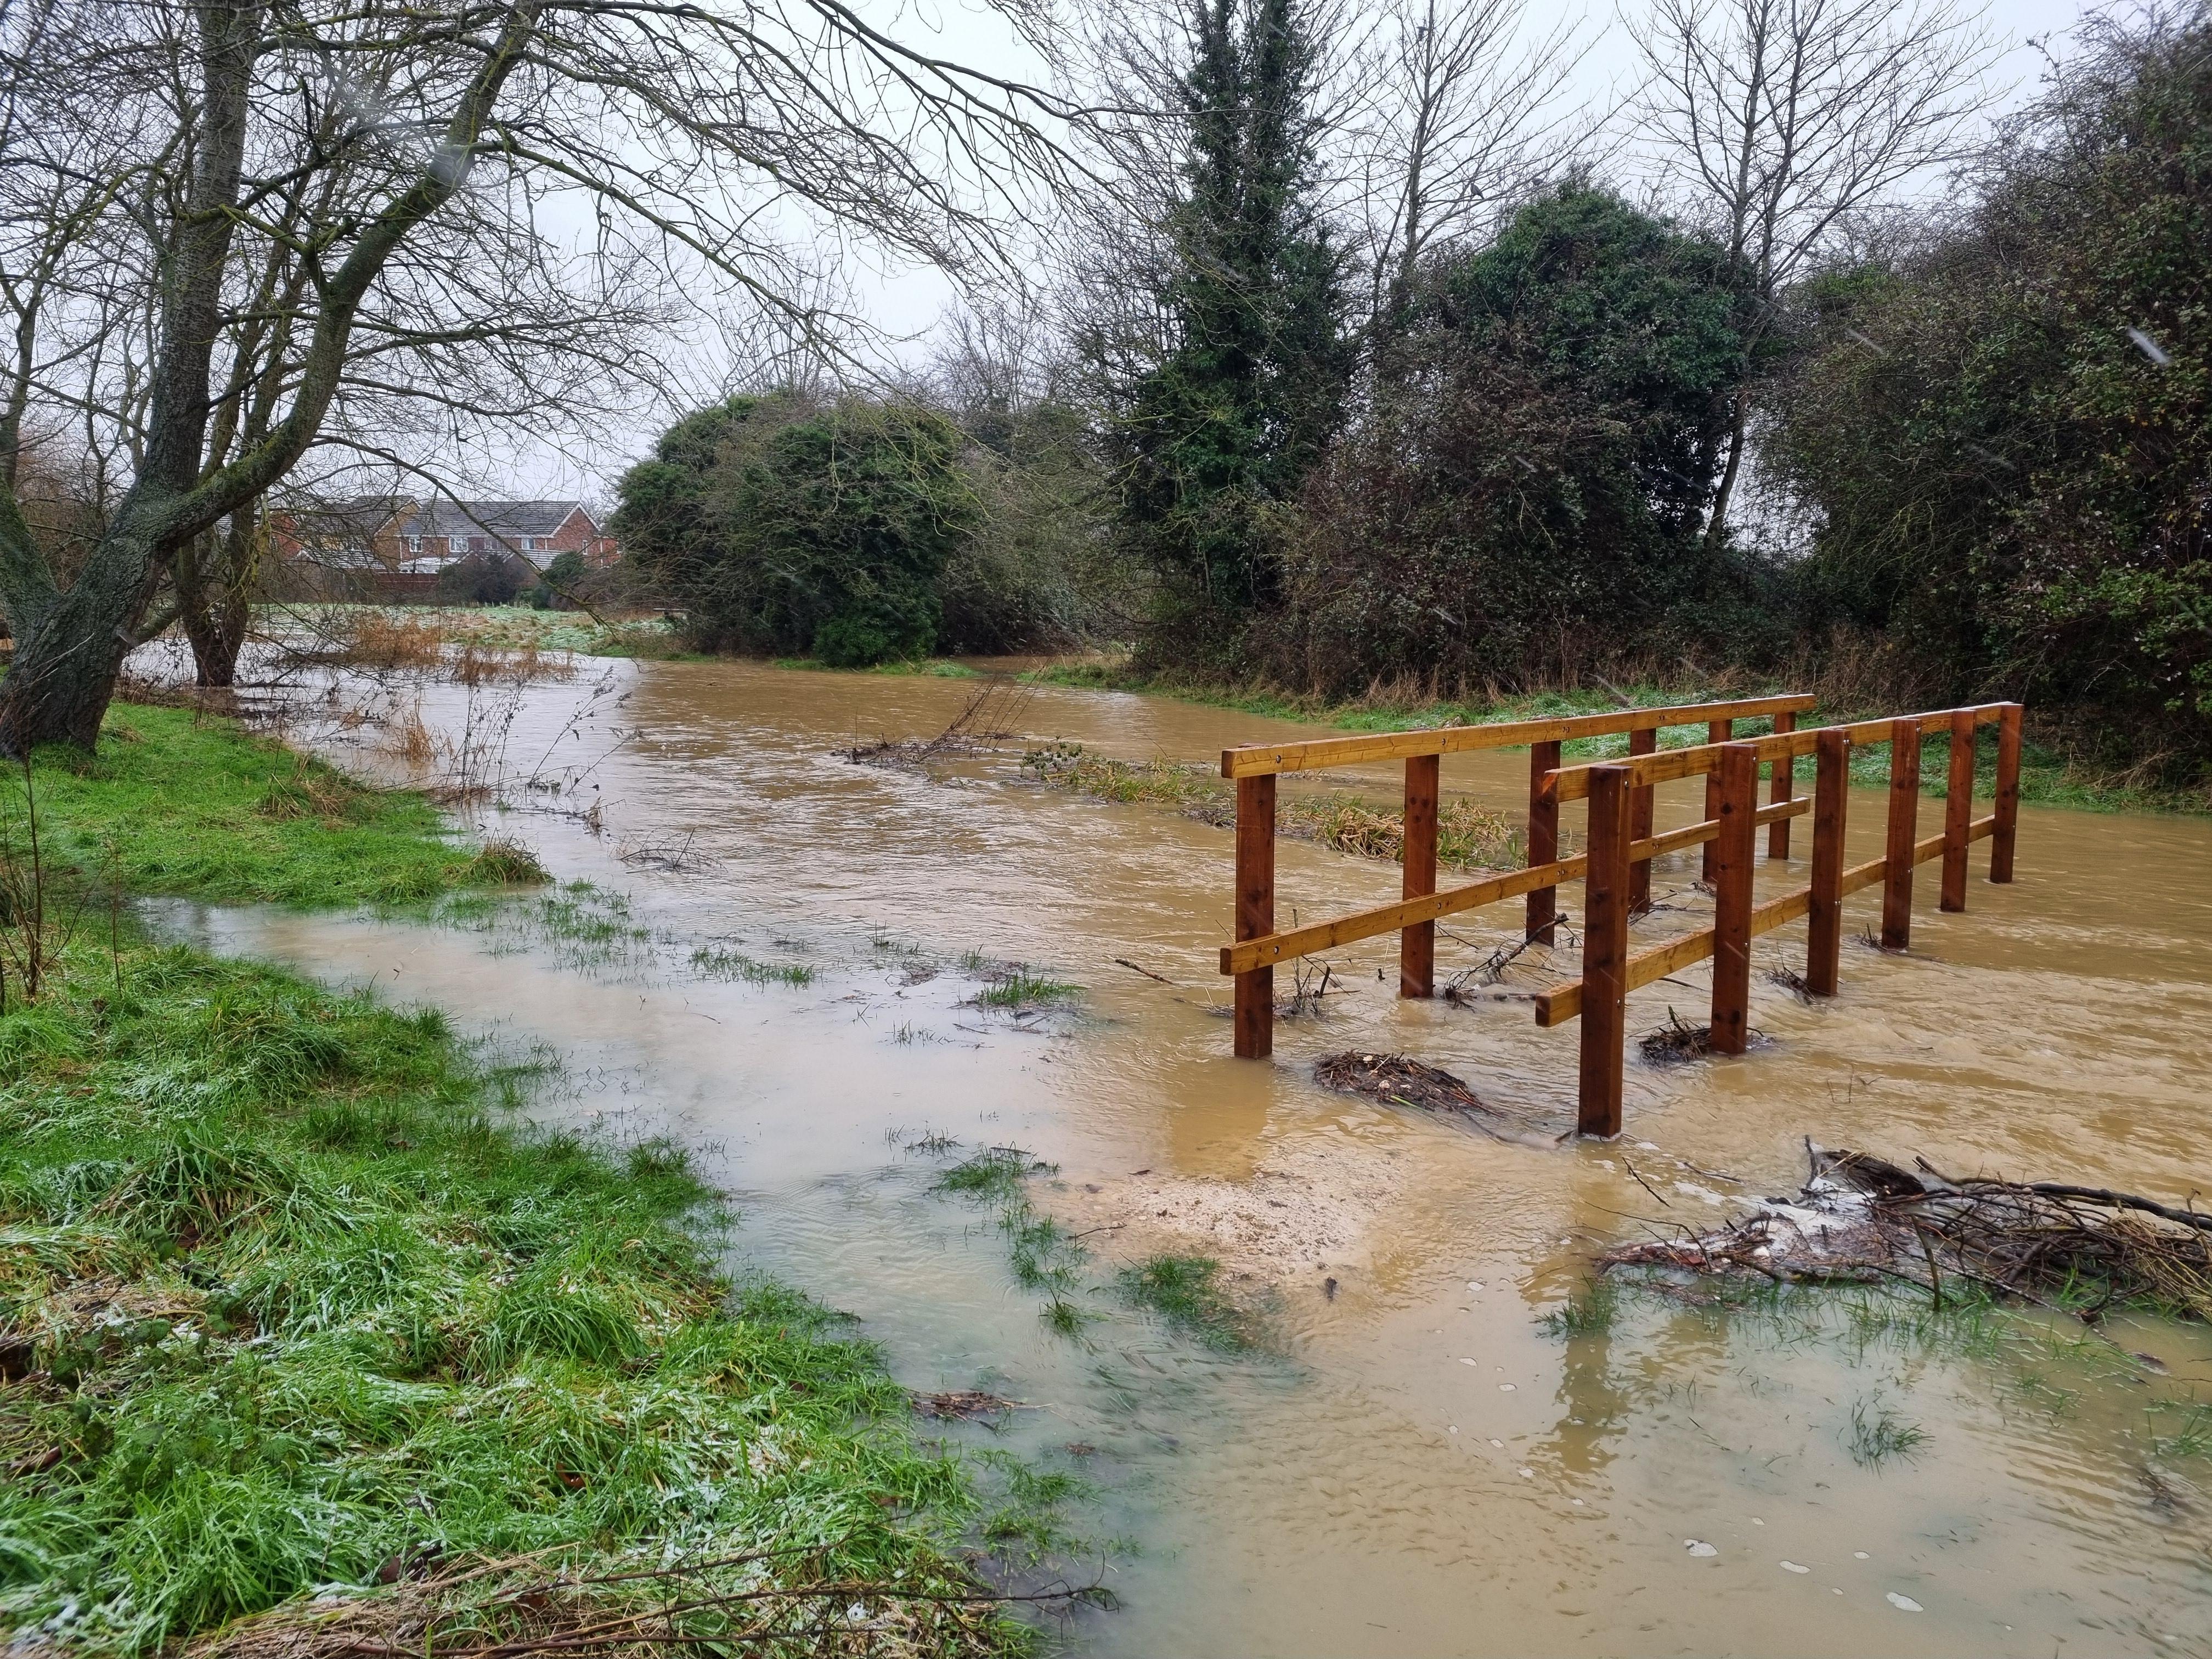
point(1418, 1467)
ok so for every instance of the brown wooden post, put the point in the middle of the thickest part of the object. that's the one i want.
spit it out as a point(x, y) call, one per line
point(1417, 946)
point(1785, 785)
point(1904, 827)
point(1958, 809)
point(1824, 933)
point(1734, 848)
point(1719, 732)
point(1543, 837)
point(1605, 954)
point(1255, 912)
point(2007, 806)
point(1640, 816)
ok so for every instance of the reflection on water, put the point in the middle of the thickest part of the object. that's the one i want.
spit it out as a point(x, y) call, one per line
point(1424, 1470)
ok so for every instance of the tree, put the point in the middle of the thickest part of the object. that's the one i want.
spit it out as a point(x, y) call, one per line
point(2001, 436)
point(1457, 127)
point(1782, 121)
point(1216, 417)
point(783, 526)
point(1526, 499)
point(396, 166)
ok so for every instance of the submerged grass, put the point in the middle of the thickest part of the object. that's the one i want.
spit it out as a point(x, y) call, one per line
point(193, 805)
point(716, 962)
point(1045, 1255)
point(1468, 837)
point(285, 1300)
point(1187, 1292)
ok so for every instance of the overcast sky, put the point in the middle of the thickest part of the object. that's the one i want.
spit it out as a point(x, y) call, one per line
point(904, 303)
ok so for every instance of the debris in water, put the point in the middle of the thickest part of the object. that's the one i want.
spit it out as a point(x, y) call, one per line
point(964, 1405)
point(1904, 1603)
point(1791, 1566)
point(1699, 1546)
point(1399, 1081)
point(1861, 1219)
point(1674, 1043)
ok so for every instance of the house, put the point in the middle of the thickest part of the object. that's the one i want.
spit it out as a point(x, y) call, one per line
point(400, 536)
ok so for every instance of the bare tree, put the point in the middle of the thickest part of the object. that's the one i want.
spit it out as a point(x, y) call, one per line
point(1461, 120)
point(1780, 120)
point(236, 230)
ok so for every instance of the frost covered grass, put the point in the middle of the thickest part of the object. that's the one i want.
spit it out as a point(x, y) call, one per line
point(288, 1302)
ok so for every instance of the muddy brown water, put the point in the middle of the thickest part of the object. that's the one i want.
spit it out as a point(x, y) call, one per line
point(1421, 1468)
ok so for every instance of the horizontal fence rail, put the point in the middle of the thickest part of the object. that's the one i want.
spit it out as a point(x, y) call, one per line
point(1616, 865)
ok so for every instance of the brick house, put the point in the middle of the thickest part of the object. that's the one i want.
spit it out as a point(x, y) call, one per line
point(399, 537)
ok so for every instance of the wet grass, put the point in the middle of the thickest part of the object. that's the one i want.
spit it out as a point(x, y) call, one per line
point(1589, 1310)
point(717, 963)
point(2050, 776)
point(1045, 1255)
point(1187, 1292)
point(195, 807)
point(287, 1297)
point(1017, 987)
point(1468, 837)
point(1879, 1434)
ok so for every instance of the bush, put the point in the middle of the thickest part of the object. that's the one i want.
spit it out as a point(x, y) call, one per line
point(780, 524)
point(1528, 488)
point(1998, 475)
point(483, 579)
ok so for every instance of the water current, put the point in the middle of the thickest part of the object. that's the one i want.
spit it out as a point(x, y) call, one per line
point(1414, 1466)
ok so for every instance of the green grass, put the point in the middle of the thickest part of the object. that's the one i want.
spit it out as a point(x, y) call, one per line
point(716, 962)
point(198, 808)
point(1187, 1292)
point(284, 1295)
point(1879, 1434)
point(1590, 1310)
point(1017, 987)
point(1468, 837)
point(2049, 776)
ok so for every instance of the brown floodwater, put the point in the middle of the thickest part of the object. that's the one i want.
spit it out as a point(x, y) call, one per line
point(1418, 1467)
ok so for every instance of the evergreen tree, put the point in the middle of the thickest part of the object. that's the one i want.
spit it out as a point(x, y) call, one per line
point(1217, 433)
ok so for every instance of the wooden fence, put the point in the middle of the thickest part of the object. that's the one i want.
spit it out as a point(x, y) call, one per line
point(1616, 865)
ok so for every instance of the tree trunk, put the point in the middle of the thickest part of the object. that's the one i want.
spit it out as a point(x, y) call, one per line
point(1716, 523)
point(214, 577)
point(70, 649)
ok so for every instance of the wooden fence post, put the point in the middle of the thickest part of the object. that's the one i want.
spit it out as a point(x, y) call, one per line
point(1605, 954)
point(1543, 838)
point(1718, 731)
point(2007, 806)
point(1255, 912)
point(1958, 809)
point(1734, 848)
point(1824, 932)
point(1640, 818)
point(1417, 945)
point(1785, 785)
point(1904, 827)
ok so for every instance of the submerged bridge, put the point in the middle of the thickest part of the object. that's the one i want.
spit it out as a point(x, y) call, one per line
point(1616, 865)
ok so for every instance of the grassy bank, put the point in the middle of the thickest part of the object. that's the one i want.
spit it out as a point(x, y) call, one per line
point(2049, 776)
point(194, 806)
point(292, 1303)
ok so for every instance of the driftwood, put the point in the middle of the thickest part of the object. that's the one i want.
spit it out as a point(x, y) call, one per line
point(1860, 1218)
point(777, 1601)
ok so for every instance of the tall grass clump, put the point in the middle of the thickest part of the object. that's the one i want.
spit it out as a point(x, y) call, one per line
point(287, 1307)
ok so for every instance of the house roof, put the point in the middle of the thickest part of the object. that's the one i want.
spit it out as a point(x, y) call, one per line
point(447, 518)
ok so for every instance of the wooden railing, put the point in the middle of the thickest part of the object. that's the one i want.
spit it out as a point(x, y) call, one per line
point(1255, 767)
point(1616, 865)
